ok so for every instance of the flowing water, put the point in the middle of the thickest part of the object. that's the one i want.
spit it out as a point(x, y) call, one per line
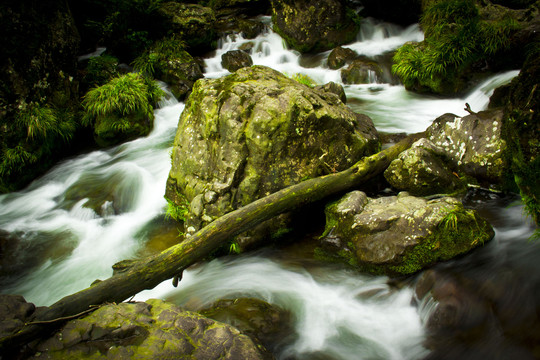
point(96, 209)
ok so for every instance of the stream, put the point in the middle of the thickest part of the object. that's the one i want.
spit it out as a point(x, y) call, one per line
point(96, 209)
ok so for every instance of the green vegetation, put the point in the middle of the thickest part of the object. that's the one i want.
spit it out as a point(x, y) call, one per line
point(121, 109)
point(155, 60)
point(178, 212)
point(304, 79)
point(122, 95)
point(455, 37)
point(43, 127)
point(101, 69)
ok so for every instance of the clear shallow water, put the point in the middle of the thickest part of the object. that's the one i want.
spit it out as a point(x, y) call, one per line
point(89, 212)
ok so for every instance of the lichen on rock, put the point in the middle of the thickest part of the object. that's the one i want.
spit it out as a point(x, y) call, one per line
point(254, 132)
point(423, 170)
point(400, 235)
point(473, 144)
point(147, 330)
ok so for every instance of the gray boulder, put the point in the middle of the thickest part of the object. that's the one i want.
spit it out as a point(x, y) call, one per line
point(422, 170)
point(254, 132)
point(150, 330)
point(236, 59)
point(402, 234)
point(473, 144)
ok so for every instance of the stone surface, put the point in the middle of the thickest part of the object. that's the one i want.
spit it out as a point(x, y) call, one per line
point(422, 170)
point(472, 143)
point(361, 71)
point(151, 330)
point(333, 88)
point(236, 59)
point(193, 23)
point(254, 132)
point(313, 26)
point(14, 312)
point(266, 324)
point(339, 56)
point(401, 234)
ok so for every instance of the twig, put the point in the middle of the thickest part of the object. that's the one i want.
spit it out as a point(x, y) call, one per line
point(92, 308)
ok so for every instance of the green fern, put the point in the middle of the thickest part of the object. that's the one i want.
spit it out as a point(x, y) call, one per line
point(122, 96)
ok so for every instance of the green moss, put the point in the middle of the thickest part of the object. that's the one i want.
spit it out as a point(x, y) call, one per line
point(459, 231)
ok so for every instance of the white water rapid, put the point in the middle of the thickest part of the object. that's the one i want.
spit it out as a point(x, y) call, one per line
point(338, 314)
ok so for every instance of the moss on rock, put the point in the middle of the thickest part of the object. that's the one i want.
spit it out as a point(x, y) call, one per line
point(400, 235)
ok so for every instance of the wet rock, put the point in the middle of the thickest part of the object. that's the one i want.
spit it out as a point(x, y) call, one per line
point(402, 12)
point(333, 88)
point(250, 28)
point(151, 330)
point(401, 234)
point(521, 126)
point(489, 314)
point(422, 170)
point(339, 56)
point(236, 59)
point(473, 144)
point(266, 324)
point(193, 23)
point(238, 8)
point(254, 132)
point(14, 313)
point(361, 71)
point(313, 26)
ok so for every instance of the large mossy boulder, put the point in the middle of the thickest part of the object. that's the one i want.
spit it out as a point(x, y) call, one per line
point(314, 26)
point(254, 132)
point(473, 144)
point(400, 235)
point(147, 330)
point(192, 23)
point(423, 170)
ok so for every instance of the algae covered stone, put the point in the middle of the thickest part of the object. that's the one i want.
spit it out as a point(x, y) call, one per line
point(474, 144)
point(422, 170)
point(400, 234)
point(314, 26)
point(254, 132)
point(151, 330)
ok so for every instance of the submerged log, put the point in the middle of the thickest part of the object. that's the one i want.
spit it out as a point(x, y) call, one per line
point(148, 273)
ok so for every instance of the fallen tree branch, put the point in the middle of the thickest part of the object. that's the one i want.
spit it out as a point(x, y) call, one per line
point(148, 273)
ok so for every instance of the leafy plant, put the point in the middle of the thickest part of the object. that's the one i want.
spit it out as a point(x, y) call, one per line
point(122, 96)
point(41, 122)
point(177, 212)
point(455, 37)
point(14, 159)
point(101, 69)
point(234, 248)
point(304, 79)
point(164, 52)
